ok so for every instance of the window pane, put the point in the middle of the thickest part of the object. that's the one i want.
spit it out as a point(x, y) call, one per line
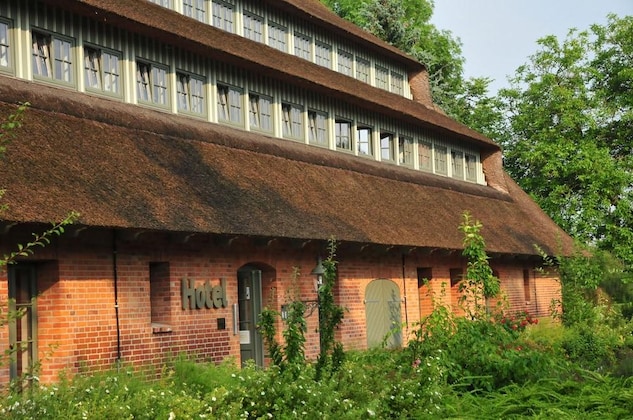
point(342, 134)
point(397, 83)
point(457, 164)
point(303, 46)
point(323, 54)
point(277, 37)
point(5, 60)
point(253, 27)
point(223, 16)
point(92, 72)
point(111, 72)
point(159, 85)
point(41, 55)
point(317, 128)
point(440, 160)
point(365, 144)
point(382, 78)
point(471, 167)
point(345, 62)
point(63, 60)
point(405, 150)
point(362, 70)
point(424, 156)
point(142, 82)
point(386, 146)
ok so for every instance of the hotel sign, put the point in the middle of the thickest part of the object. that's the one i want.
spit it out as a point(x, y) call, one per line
point(203, 296)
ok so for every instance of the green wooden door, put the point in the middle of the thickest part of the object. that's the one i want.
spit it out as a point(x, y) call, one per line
point(382, 312)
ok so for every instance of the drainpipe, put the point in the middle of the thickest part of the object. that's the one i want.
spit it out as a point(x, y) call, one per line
point(116, 297)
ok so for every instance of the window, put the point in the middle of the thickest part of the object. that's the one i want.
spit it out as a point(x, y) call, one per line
point(471, 167)
point(362, 69)
point(253, 27)
point(345, 61)
point(196, 9)
point(190, 91)
point(102, 70)
point(5, 45)
point(303, 46)
point(397, 83)
point(160, 296)
point(52, 57)
point(456, 275)
point(382, 78)
point(277, 37)
point(343, 129)
point(364, 140)
point(151, 83)
point(457, 164)
point(164, 3)
point(424, 156)
point(223, 15)
point(292, 118)
point(527, 290)
point(323, 54)
point(386, 146)
point(440, 160)
point(260, 112)
point(405, 150)
point(229, 104)
point(425, 275)
point(317, 133)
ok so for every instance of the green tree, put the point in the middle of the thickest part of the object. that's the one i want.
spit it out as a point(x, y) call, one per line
point(567, 132)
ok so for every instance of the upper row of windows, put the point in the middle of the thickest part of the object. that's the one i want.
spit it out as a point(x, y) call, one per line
point(53, 59)
point(277, 35)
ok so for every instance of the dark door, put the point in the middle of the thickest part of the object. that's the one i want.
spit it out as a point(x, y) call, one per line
point(249, 295)
point(23, 328)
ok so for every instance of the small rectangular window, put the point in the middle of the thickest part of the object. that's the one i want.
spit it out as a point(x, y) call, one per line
point(323, 54)
point(527, 287)
point(342, 134)
point(364, 140)
point(190, 91)
point(292, 119)
point(397, 83)
point(345, 61)
point(5, 46)
point(160, 296)
point(440, 160)
point(152, 83)
point(277, 37)
point(196, 9)
point(303, 46)
point(387, 146)
point(457, 164)
point(425, 274)
point(317, 132)
point(229, 104)
point(382, 78)
point(260, 112)
point(253, 27)
point(405, 150)
point(425, 156)
point(471, 167)
point(362, 69)
point(102, 70)
point(457, 275)
point(223, 15)
point(52, 57)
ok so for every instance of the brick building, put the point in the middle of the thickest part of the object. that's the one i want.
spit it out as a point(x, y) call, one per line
point(212, 147)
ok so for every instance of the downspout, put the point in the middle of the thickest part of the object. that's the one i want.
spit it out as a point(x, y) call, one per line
point(115, 277)
point(404, 287)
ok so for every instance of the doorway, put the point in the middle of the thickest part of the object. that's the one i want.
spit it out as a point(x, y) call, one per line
point(249, 296)
point(382, 312)
point(23, 328)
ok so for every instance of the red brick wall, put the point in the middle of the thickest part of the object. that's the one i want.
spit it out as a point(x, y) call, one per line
point(77, 315)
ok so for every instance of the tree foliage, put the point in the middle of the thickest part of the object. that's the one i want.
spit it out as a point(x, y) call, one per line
point(568, 125)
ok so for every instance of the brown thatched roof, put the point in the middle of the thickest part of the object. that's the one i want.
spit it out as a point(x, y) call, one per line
point(126, 166)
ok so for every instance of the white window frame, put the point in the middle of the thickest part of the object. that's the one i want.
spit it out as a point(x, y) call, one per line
point(278, 36)
point(397, 83)
point(223, 15)
point(318, 128)
point(471, 162)
point(365, 143)
point(195, 9)
point(382, 82)
point(343, 141)
point(152, 83)
point(387, 146)
point(230, 104)
point(422, 156)
point(440, 159)
point(53, 57)
point(102, 70)
point(260, 111)
point(363, 70)
point(345, 62)
point(190, 93)
point(323, 54)
point(6, 42)
point(253, 27)
point(292, 120)
point(457, 164)
point(303, 46)
point(405, 150)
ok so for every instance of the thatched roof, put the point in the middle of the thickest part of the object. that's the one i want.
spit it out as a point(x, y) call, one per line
point(126, 166)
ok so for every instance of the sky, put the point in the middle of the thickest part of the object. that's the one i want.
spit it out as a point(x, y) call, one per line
point(499, 35)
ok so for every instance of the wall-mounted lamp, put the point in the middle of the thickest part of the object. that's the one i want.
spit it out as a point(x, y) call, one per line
point(318, 273)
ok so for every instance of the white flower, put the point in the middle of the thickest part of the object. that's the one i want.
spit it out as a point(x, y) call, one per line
point(172, 415)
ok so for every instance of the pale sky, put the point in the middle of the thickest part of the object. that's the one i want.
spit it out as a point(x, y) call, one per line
point(499, 35)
